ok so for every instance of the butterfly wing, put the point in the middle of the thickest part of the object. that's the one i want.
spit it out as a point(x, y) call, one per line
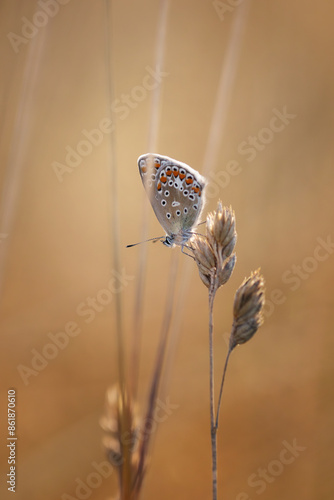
point(176, 192)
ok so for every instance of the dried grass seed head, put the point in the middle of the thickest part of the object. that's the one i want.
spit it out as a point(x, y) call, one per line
point(226, 270)
point(203, 252)
point(213, 253)
point(221, 232)
point(204, 257)
point(110, 422)
point(247, 309)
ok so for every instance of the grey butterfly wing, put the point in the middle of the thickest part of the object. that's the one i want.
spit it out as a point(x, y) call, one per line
point(176, 192)
point(149, 165)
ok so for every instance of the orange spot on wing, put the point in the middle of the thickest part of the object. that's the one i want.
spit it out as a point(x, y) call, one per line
point(144, 170)
point(189, 181)
point(176, 173)
point(163, 179)
point(182, 176)
point(159, 186)
point(196, 189)
point(157, 165)
point(168, 172)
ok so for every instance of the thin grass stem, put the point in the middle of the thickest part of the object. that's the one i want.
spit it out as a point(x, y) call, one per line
point(152, 141)
point(225, 87)
point(17, 155)
point(161, 351)
point(212, 293)
point(125, 414)
point(221, 388)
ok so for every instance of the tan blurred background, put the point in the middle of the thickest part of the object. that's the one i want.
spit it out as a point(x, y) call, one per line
point(56, 241)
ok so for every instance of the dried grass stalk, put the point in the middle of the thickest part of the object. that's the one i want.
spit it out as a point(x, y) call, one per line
point(215, 260)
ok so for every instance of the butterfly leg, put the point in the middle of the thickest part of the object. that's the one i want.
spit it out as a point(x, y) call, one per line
point(185, 253)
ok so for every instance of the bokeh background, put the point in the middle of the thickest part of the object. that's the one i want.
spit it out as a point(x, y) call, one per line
point(56, 245)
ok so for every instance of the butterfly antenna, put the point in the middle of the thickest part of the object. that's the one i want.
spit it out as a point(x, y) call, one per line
point(158, 238)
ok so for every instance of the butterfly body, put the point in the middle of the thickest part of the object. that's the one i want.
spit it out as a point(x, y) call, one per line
point(176, 193)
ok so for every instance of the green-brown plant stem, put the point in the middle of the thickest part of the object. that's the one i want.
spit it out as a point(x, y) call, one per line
point(212, 293)
point(125, 429)
point(156, 376)
point(125, 415)
point(152, 141)
point(221, 387)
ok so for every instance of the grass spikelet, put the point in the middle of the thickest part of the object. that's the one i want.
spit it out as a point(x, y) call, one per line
point(247, 309)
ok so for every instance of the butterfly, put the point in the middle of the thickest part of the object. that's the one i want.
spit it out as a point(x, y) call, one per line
point(176, 193)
